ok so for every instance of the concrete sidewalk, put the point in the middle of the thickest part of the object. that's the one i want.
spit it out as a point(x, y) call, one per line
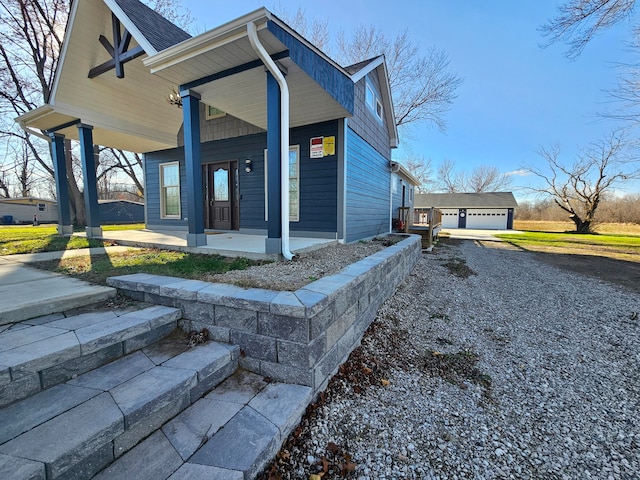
point(26, 292)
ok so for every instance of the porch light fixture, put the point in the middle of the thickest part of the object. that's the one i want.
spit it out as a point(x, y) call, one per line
point(174, 98)
point(248, 165)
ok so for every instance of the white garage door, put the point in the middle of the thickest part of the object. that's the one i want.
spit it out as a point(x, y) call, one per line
point(489, 219)
point(449, 218)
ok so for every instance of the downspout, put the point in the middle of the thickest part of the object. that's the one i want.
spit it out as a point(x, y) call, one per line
point(252, 33)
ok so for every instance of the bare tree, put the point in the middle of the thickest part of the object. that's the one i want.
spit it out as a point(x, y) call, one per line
point(423, 86)
point(420, 168)
point(314, 30)
point(448, 180)
point(486, 179)
point(579, 21)
point(481, 179)
point(579, 188)
point(4, 186)
point(31, 35)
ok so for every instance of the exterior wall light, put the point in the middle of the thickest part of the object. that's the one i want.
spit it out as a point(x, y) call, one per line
point(248, 165)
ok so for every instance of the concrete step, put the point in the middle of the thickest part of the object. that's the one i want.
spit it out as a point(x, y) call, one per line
point(26, 292)
point(74, 430)
point(231, 434)
point(46, 351)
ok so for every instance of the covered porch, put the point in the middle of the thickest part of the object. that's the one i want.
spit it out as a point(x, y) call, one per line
point(226, 244)
point(254, 69)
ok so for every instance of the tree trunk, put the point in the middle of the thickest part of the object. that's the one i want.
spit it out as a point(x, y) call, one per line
point(582, 226)
point(76, 198)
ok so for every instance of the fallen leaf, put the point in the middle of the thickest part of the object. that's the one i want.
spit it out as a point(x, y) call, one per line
point(333, 448)
point(316, 476)
point(284, 454)
point(385, 382)
point(325, 465)
point(367, 370)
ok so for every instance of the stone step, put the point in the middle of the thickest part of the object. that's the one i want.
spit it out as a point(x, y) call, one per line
point(231, 434)
point(74, 430)
point(43, 352)
point(26, 292)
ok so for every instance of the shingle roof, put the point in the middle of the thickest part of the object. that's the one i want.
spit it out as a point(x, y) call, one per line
point(158, 31)
point(466, 200)
point(356, 67)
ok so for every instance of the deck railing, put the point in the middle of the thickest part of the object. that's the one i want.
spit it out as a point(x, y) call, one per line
point(423, 221)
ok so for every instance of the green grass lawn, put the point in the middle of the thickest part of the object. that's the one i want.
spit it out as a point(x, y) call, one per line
point(625, 247)
point(97, 268)
point(45, 238)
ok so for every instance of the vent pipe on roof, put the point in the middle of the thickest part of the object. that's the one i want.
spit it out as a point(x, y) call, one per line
point(252, 33)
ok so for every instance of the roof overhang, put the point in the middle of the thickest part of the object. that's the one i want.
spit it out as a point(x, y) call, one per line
point(132, 113)
point(237, 85)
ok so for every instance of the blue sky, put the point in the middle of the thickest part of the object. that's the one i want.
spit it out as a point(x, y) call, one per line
point(516, 95)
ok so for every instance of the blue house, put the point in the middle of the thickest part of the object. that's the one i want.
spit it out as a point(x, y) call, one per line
point(246, 127)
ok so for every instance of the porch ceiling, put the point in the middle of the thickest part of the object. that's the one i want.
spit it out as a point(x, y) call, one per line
point(243, 94)
point(133, 114)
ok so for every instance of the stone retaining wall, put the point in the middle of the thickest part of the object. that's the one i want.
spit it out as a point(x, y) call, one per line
point(296, 337)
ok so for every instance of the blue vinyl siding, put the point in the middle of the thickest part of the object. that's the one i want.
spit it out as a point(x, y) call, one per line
point(152, 163)
point(364, 121)
point(367, 202)
point(336, 83)
point(396, 197)
point(318, 180)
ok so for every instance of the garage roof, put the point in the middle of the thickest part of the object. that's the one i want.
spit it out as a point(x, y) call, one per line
point(466, 200)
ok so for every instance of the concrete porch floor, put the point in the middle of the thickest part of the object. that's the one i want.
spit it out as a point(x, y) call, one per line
point(227, 244)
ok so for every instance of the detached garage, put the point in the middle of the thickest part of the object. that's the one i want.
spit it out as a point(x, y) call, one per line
point(484, 211)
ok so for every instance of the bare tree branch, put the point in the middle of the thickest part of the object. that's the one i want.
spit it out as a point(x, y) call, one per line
point(579, 21)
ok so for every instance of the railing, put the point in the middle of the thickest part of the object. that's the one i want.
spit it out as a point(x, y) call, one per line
point(424, 221)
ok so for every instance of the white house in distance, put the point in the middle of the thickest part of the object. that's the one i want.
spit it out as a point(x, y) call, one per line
point(490, 211)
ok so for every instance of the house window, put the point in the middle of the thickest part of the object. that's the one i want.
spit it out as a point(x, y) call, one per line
point(42, 207)
point(213, 112)
point(170, 190)
point(294, 185)
point(372, 99)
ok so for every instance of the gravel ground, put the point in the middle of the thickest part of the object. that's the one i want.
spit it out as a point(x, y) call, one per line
point(485, 364)
point(305, 267)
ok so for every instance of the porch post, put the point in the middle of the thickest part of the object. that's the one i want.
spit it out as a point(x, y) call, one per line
point(193, 163)
point(88, 161)
point(273, 242)
point(62, 187)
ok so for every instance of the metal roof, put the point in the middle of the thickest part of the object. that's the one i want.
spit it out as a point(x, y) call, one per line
point(466, 200)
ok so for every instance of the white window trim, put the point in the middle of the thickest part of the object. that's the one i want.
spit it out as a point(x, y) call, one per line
point(375, 106)
point(162, 192)
point(295, 148)
point(208, 116)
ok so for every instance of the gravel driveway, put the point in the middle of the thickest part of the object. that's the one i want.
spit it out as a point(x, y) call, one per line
point(519, 370)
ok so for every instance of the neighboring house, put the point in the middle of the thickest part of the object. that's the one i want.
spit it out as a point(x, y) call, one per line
point(403, 186)
point(24, 209)
point(491, 210)
point(121, 211)
point(260, 108)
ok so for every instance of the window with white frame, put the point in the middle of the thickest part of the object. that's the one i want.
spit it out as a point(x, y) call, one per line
point(42, 207)
point(213, 112)
point(372, 99)
point(170, 190)
point(294, 184)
